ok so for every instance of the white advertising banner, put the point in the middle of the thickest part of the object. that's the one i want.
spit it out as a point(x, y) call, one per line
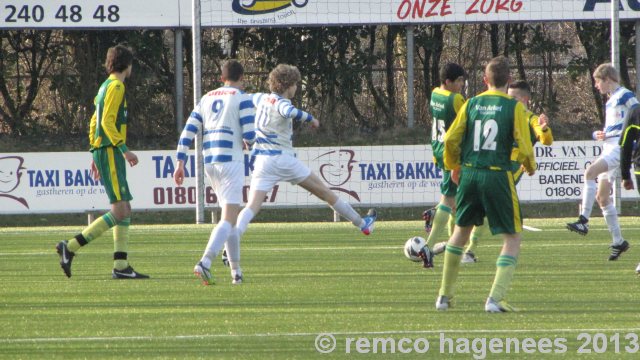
point(351, 12)
point(364, 176)
point(101, 14)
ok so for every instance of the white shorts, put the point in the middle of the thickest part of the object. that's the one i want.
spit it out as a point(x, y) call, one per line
point(269, 170)
point(611, 155)
point(227, 180)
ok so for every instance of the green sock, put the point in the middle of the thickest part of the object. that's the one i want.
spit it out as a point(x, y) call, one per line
point(97, 228)
point(120, 242)
point(440, 221)
point(506, 266)
point(452, 257)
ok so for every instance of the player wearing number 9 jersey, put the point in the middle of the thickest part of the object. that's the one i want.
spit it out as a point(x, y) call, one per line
point(478, 152)
point(445, 102)
point(225, 116)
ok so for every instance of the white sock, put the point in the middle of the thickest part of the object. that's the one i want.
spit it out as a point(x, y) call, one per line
point(588, 198)
point(346, 211)
point(244, 218)
point(217, 239)
point(233, 250)
point(611, 218)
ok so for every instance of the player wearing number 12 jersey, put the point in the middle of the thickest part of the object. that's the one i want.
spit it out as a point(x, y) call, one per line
point(226, 118)
point(477, 150)
point(445, 102)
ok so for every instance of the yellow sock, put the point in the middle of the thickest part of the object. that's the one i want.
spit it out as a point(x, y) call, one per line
point(452, 223)
point(97, 228)
point(477, 233)
point(506, 266)
point(452, 257)
point(120, 244)
point(440, 221)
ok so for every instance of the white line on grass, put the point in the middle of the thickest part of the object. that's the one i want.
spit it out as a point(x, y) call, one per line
point(339, 333)
point(530, 228)
point(326, 248)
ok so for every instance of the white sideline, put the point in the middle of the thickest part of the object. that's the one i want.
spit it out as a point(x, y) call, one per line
point(340, 333)
point(530, 228)
point(327, 248)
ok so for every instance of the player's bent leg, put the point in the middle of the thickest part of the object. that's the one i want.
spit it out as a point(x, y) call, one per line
point(589, 193)
point(440, 223)
point(66, 249)
point(256, 197)
point(479, 232)
point(314, 185)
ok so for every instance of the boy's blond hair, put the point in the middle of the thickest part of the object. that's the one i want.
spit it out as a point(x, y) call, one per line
point(606, 71)
point(282, 77)
point(497, 71)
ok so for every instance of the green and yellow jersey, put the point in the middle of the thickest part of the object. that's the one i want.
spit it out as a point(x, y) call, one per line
point(537, 134)
point(108, 125)
point(444, 107)
point(484, 131)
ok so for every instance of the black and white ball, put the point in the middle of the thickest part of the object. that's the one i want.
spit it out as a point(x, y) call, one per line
point(414, 248)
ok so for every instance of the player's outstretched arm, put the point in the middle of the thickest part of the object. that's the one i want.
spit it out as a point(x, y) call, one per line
point(178, 174)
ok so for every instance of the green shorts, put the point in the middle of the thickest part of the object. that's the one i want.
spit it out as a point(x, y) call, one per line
point(489, 193)
point(111, 165)
point(448, 187)
point(516, 169)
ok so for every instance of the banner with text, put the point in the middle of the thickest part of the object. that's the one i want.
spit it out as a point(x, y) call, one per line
point(100, 14)
point(365, 176)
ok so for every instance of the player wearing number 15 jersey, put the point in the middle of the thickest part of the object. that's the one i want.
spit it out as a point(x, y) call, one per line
point(446, 100)
point(225, 116)
point(477, 150)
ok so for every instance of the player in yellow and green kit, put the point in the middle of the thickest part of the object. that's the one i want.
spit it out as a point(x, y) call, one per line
point(538, 125)
point(478, 149)
point(107, 137)
point(540, 131)
point(445, 102)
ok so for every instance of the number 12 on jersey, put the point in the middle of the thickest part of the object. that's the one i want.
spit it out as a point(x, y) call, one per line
point(484, 136)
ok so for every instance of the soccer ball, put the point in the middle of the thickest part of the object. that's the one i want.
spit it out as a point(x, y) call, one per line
point(415, 249)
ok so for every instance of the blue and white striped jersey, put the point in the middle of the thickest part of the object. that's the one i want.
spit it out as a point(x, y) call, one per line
point(274, 124)
point(226, 116)
point(620, 102)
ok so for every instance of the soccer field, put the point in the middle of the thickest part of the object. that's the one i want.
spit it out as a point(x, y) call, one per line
point(307, 279)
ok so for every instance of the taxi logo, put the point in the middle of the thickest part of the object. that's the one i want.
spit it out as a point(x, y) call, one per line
point(258, 7)
point(336, 170)
point(10, 174)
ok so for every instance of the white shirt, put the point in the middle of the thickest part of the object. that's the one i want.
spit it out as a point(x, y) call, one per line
point(617, 109)
point(227, 116)
point(274, 124)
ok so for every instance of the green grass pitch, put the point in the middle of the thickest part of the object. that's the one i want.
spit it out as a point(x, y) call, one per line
point(304, 279)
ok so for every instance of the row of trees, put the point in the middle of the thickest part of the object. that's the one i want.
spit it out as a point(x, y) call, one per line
point(354, 78)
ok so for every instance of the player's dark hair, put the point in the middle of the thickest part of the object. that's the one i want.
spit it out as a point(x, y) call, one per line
point(451, 72)
point(497, 71)
point(119, 58)
point(232, 70)
point(521, 86)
